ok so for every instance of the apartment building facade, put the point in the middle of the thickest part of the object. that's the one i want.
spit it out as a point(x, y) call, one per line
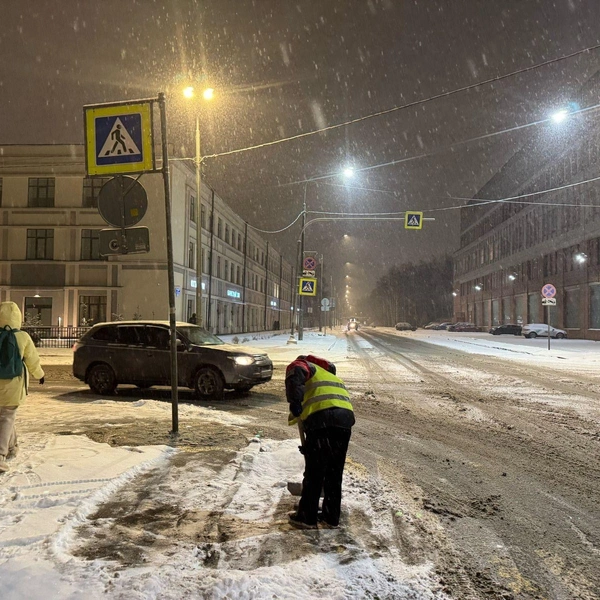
point(509, 249)
point(51, 267)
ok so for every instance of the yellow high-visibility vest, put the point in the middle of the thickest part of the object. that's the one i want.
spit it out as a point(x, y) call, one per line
point(323, 390)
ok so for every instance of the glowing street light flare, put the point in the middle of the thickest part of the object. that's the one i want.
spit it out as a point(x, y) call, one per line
point(188, 92)
point(348, 172)
point(581, 257)
point(560, 115)
point(209, 93)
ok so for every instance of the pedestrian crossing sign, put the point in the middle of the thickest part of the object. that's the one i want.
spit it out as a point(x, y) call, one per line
point(307, 286)
point(413, 220)
point(118, 138)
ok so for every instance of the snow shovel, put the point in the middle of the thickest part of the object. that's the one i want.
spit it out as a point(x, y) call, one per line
point(295, 487)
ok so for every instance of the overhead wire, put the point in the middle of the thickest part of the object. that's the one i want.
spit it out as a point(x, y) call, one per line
point(469, 203)
point(406, 105)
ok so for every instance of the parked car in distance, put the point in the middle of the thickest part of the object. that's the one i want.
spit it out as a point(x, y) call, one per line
point(431, 325)
point(443, 326)
point(403, 326)
point(533, 330)
point(463, 327)
point(138, 353)
point(508, 328)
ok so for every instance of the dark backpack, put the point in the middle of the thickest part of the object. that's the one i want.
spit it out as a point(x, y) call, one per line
point(11, 363)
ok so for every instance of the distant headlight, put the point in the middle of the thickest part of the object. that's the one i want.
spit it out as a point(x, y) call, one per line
point(243, 360)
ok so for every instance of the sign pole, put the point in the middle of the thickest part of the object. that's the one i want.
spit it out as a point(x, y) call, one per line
point(548, 319)
point(170, 270)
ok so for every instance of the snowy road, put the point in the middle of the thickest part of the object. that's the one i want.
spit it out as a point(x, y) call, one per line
point(472, 474)
point(505, 452)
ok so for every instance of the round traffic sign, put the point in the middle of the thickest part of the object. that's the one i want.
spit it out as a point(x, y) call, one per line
point(310, 264)
point(548, 291)
point(122, 202)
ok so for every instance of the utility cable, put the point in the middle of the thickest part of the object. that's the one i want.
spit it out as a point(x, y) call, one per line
point(407, 105)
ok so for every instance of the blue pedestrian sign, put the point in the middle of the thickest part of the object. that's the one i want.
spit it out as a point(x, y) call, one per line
point(413, 220)
point(118, 138)
point(307, 286)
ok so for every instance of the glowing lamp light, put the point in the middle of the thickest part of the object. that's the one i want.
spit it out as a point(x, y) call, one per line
point(208, 94)
point(560, 115)
point(348, 172)
point(580, 257)
point(455, 294)
point(512, 277)
point(478, 287)
point(188, 92)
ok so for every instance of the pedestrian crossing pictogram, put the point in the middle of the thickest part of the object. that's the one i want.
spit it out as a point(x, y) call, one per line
point(119, 142)
point(307, 286)
point(413, 220)
point(118, 138)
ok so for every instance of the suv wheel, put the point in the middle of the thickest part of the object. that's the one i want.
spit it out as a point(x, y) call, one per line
point(101, 379)
point(208, 384)
point(533, 334)
point(560, 336)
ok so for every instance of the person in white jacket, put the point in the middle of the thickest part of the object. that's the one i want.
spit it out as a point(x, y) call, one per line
point(13, 391)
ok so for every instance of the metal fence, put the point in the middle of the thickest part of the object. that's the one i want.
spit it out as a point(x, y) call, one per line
point(55, 337)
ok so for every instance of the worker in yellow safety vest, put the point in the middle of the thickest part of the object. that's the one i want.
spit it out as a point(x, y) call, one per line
point(320, 405)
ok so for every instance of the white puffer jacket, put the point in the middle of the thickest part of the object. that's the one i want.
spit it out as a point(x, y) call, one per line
point(12, 391)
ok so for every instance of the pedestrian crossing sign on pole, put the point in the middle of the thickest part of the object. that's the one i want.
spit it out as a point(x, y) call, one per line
point(307, 286)
point(413, 220)
point(118, 138)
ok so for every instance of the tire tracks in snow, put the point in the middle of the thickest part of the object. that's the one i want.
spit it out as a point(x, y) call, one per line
point(531, 512)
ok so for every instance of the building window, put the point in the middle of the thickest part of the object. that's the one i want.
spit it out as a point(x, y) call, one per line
point(192, 209)
point(191, 254)
point(226, 276)
point(220, 229)
point(203, 217)
point(0, 191)
point(226, 233)
point(91, 191)
point(240, 242)
point(595, 307)
point(41, 192)
point(92, 309)
point(238, 277)
point(90, 244)
point(571, 309)
point(219, 267)
point(40, 244)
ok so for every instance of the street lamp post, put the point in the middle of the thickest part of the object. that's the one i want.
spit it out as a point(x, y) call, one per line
point(198, 162)
point(208, 94)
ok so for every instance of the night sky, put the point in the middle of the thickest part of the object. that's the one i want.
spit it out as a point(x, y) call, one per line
point(283, 68)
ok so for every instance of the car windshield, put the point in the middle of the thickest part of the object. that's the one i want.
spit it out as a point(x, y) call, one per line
point(200, 337)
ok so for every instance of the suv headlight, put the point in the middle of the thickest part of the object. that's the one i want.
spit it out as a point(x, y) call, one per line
point(243, 360)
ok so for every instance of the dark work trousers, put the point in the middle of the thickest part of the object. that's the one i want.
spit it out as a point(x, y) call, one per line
point(324, 454)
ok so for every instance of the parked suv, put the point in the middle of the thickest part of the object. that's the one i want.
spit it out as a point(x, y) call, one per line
point(403, 326)
point(508, 328)
point(533, 330)
point(138, 352)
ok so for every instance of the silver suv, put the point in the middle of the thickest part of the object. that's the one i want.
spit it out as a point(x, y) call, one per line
point(137, 352)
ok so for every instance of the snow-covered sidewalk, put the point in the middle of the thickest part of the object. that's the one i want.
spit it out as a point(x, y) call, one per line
point(82, 520)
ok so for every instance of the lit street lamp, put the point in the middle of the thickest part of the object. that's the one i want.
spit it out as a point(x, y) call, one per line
point(560, 115)
point(581, 257)
point(208, 94)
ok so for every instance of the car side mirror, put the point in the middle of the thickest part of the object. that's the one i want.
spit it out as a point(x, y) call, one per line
point(181, 347)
